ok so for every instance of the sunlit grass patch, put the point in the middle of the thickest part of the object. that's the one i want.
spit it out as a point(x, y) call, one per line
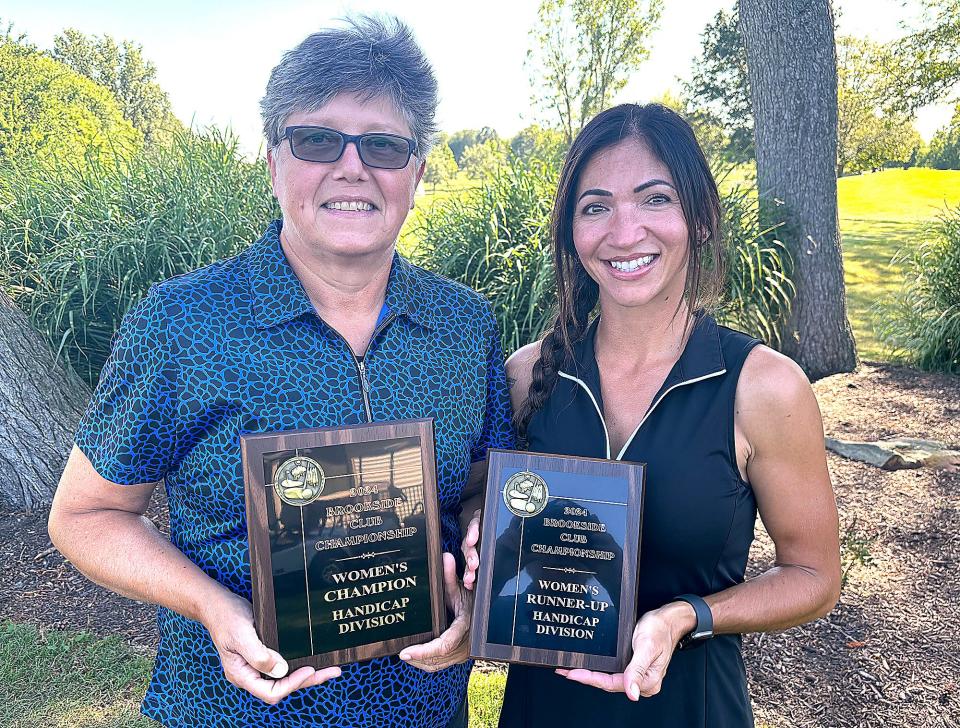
point(880, 214)
point(916, 194)
point(485, 696)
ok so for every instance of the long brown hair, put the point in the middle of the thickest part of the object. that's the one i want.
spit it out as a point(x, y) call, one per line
point(671, 139)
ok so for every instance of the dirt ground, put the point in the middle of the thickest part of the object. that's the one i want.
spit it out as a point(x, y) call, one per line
point(887, 656)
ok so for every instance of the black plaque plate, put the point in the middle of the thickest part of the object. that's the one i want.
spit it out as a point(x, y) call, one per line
point(558, 562)
point(344, 540)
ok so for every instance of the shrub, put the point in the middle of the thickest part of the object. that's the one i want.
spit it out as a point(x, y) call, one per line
point(80, 245)
point(496, 239)
point(758, 288)
point(921, 323)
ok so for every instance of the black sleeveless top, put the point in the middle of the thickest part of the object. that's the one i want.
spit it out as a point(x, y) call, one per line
point(698, 525)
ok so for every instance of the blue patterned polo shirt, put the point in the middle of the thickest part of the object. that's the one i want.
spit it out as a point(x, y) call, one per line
point(237, 347)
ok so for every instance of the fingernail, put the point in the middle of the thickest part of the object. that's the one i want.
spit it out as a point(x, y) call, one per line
point(404, 655)
point(635, 691)
point(279, 670)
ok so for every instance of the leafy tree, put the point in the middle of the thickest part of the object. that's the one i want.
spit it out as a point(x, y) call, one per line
point(719, 90)
point(464, 138)
point(537, 142)
point(944, 152)
point(583, 52)
point(441, 166)
point(871, 130)
point(891, 139)
point(482, 161)
point(126, 73)
point(48, 110)
point(868, 134)
point(8, 36)
point(927, 60)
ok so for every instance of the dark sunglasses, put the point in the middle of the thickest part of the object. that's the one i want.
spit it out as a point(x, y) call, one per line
point(319, 144)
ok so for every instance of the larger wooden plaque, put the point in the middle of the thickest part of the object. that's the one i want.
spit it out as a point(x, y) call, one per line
point(344, 540)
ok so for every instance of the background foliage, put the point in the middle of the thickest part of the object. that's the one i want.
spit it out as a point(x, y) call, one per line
point(878, 90)
point(583, 53)
point(49, 111)
point(80, 245)
point(944, 150)
point(923, 322)
point(126, 74)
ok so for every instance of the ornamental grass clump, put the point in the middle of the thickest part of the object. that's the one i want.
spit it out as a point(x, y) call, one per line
point(758, 288)
point(921, 323)
point(496, 239)
point(79, 245)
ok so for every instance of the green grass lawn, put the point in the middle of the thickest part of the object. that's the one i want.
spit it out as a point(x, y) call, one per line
point(53, 679)
point(63, 680)
point(880, 213)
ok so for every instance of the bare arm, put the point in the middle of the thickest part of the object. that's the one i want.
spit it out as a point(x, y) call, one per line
point(780, 450)
point(780, 441)
point(100, 527)
point(520, 373)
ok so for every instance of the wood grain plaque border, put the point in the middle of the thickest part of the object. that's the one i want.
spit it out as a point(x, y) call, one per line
point(634, 474)
point(253, 448)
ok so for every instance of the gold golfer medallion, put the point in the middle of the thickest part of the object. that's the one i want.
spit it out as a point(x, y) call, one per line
point(299, 481)
point(525, 494)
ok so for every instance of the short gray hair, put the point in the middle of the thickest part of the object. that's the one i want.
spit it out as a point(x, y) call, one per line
point(371, 57)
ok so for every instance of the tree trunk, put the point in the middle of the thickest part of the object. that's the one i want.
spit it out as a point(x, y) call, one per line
point(792, 67)
point(41, 403)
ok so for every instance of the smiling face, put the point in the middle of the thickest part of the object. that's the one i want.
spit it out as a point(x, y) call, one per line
point(344, 208)
point(628, 227)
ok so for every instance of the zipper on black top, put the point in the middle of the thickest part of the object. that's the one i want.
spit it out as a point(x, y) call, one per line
point(653, 405)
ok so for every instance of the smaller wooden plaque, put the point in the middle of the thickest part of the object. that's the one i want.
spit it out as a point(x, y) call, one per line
point(344, 537)
point(559, 550)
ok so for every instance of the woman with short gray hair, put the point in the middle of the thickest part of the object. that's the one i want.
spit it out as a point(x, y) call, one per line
point(319, 323)
point(373, 58)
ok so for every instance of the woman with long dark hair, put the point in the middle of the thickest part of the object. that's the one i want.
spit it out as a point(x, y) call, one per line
point(727, 427)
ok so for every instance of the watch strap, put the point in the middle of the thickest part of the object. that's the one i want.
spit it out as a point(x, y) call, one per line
point(703, 630)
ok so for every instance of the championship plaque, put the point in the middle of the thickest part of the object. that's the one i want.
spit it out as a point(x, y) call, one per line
point(344, 540)
point(559, 553)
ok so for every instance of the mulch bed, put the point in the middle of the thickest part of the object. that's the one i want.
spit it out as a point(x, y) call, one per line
point(887, 656)
point(38, 586)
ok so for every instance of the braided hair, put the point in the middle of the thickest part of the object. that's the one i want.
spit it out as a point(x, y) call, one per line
point(670, 137)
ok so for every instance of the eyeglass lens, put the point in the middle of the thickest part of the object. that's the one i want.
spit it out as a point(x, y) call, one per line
point(326, 145)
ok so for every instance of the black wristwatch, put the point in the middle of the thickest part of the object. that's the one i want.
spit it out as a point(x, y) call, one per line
point(704, 627)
